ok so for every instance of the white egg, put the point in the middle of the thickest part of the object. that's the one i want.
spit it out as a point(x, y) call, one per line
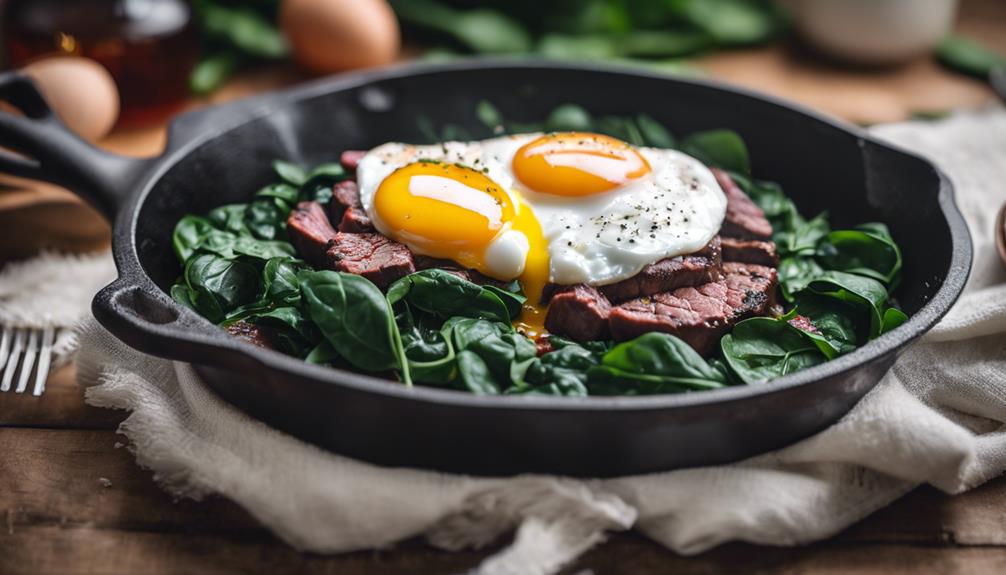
point(594, 239)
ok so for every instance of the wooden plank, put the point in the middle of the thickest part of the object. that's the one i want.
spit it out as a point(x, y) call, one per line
point(72, 550)
point(79, 478)
point(61, 406)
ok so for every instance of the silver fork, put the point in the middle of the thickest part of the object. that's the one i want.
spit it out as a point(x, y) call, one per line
point(20, 347)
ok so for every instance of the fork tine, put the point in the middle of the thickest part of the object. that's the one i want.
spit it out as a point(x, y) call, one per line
point(5, 345)
point(30, 351)
point(44, 358)
point(12, 360)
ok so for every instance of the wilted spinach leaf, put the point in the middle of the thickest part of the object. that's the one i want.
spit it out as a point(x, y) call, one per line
point(721, 148)
point(867, 250)
point(761, 348)
point(445, 295)
point(355, 318)
point(189, 232)
point(218, 285)
point(652, 363)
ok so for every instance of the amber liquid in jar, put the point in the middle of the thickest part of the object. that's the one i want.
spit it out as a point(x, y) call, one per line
point(149, 46)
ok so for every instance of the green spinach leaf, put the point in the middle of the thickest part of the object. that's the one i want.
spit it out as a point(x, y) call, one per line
point(760, 349)
point(355, 318)
point(721, 148)
point(652, 363)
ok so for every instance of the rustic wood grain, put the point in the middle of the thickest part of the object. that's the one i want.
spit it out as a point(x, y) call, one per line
point(62, 406)
point(70, 494)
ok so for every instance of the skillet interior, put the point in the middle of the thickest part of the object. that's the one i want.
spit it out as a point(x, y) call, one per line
point(820, 166)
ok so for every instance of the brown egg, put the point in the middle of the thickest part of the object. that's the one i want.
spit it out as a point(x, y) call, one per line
point(80, 91)
point(331, 35)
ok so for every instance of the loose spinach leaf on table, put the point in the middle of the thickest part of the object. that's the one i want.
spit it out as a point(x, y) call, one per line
point(355, 318)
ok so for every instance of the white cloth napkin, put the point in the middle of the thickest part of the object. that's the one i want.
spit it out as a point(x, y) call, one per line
point(53, 290)
point(937, 417)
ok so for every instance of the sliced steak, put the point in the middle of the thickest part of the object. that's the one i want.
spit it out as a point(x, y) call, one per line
point(580, 313)
point(310, 231)
point(669, 274)
point(698, 315)
point(251, 333)
point(750, 252)
point(356, 221)
point(347, 209)
point(744, 219)
point(373, 256)
point(350, 159)
point(751, 289)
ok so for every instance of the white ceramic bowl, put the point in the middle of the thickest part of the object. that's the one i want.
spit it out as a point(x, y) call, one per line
point(873, 32)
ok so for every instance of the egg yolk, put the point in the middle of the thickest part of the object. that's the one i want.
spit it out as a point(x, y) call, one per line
point(577, 164)
point(454, 212)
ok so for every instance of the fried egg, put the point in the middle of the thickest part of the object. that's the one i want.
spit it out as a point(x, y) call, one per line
point(563, 208)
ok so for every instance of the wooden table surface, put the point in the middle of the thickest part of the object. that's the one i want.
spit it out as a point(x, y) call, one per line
point(73, 500)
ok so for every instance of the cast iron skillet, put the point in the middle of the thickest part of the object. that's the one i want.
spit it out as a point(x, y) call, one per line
point(221, 155)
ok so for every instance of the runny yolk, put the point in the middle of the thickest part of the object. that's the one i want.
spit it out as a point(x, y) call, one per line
point(454, 212)
point(577, 164)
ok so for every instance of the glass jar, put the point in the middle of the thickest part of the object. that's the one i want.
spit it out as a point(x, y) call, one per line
point(149, 46)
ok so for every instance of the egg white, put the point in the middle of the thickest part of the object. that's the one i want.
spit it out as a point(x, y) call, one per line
point(675, 209)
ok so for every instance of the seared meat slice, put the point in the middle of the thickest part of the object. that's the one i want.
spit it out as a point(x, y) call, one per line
point(699, 315)
point(251, 333)
point(750, 252)
point(373, 256)
point(744, 219)
point(350, 159)
point(347, 209)
point(310, 232)
point(669, 274)
point(751, 289)
point(356, 221)
point(578, 312)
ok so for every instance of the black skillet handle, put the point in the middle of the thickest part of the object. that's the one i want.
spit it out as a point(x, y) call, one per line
point(40, 147)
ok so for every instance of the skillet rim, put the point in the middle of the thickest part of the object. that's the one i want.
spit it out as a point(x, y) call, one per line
point(131, 272)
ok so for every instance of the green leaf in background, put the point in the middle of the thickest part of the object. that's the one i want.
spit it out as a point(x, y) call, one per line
point(563, 47)
point(480, 29)
point(212, 71)
point(242, 27)
point(760, 349)
point(569, 118)
point(488, 115)
point(721, 148)
point(291, 173)
point(731, 21)
point(662, 43)
point(652, 363)
point(968, 56)
point(654, 133)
